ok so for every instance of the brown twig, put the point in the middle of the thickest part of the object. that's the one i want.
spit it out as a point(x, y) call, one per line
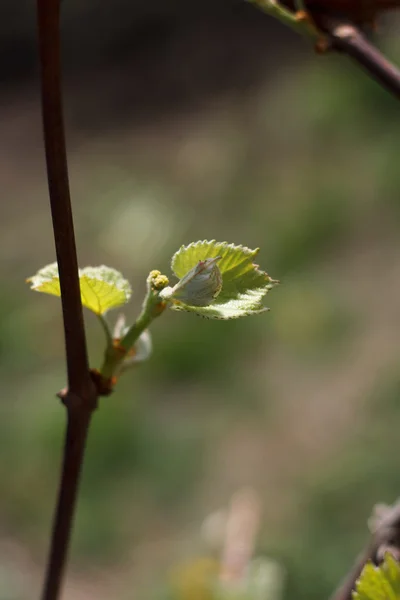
point(74, 447)
point(80, 398)
point(57, 172)
point(348, 39)
point(330, 24)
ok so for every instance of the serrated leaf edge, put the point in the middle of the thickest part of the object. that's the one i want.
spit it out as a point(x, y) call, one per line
point(231, 246)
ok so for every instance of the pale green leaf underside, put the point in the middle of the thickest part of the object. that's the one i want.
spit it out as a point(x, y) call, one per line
point(233, 309)
point(102, 288)
point(379, 583)
point(243, 284)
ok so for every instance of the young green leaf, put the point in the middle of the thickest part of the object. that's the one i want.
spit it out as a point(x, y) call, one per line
point(200, 268)
point(379, 583)
point(102, 288)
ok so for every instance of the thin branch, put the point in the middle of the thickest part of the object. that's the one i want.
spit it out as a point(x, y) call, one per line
point(57, 172)
point(348, 39)
point(340, 34)
point(74, 448)
point(80, 398)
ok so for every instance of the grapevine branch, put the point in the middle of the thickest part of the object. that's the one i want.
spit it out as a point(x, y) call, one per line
point(348, 39)
point(80, 398)
point(331, 32)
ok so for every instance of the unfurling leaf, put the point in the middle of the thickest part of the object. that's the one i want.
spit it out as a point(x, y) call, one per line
point(200, 286)
point(199, 290)
point(102, 288)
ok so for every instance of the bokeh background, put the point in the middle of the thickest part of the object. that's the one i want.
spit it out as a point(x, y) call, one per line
point(189, 121)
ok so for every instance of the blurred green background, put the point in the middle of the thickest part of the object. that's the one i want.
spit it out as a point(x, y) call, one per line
point(190, 122)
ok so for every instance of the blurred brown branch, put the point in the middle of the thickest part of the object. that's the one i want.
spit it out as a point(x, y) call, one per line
point(348, 39)
point(339, 23)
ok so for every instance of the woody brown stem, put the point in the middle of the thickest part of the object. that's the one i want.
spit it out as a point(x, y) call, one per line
point(80, 398)
point(348, 39)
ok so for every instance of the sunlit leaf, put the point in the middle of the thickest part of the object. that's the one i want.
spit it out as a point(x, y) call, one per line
point(379, 583)
point(102, 288)
point(243, 284)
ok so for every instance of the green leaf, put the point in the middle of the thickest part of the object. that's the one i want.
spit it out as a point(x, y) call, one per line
point(243, 284)
point(102, 288)
point(379, 583)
